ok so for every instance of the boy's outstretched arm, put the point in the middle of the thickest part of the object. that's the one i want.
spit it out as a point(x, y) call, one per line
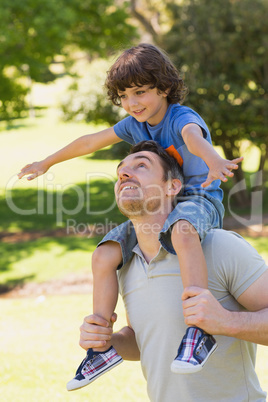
point(219, 168)
point(82, 146)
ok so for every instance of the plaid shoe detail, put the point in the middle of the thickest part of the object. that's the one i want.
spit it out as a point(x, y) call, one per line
point(93, 366)
point(195, 348)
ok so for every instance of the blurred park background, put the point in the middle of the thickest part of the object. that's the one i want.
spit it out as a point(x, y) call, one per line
point(54, 58)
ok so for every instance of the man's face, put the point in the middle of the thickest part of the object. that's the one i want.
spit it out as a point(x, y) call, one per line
point(140, 188)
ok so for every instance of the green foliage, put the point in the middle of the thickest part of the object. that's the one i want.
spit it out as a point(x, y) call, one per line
point(86, 99)
point(33, 32)
point(12, 98)
point(101, 26)
point(220, 46)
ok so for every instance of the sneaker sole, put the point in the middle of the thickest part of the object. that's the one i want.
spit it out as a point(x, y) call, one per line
point(188, 368)
point(75, 384)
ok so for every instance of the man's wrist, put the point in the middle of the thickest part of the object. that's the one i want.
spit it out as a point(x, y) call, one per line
point(234, 324)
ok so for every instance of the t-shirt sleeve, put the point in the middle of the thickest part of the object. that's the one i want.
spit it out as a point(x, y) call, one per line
point(122, 130)
point(189, 116)
point(237, 264)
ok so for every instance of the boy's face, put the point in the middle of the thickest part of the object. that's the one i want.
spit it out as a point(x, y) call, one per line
point(144, 104)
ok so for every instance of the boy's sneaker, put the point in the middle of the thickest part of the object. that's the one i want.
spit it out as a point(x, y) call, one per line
point(195, 348)
point(93, 366)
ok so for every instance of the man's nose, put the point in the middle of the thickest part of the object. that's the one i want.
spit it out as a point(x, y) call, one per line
point(125, 172)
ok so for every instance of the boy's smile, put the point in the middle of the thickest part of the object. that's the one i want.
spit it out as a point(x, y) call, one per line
point(144, 103)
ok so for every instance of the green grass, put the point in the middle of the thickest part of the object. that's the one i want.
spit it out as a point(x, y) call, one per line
point(45, 259)
point(70, 190)
point(39, 209)
point(40, 353)
point(28, 140)
point(50, 258)
point(260, 244)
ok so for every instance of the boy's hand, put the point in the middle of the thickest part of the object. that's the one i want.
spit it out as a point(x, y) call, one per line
point(221, 169)
point(34, 170)
point(96, 332)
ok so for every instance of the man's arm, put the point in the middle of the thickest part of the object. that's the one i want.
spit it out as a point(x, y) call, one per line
point(96, 333)
point(253, 325)
point(201, 308)
point(81, 146)
point(219, 168)
point(124, 342)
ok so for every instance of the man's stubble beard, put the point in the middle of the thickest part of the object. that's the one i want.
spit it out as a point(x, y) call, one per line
point(139, 207)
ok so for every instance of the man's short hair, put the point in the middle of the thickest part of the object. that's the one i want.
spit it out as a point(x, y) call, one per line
point(171, 168)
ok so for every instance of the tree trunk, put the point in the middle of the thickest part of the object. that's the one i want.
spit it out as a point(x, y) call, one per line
point(241, 196)
point(264, 156)
point(150, 27)
point(263, 159)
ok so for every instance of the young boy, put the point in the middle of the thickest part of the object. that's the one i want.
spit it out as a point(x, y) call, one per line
point(148, 86)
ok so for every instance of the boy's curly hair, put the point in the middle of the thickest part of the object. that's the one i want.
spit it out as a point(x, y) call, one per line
point(142, 65)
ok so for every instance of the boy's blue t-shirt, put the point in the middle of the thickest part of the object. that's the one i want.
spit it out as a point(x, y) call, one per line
point(168, 133)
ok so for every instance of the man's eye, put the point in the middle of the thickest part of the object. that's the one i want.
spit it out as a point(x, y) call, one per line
point(122, 96)
point(140, 92)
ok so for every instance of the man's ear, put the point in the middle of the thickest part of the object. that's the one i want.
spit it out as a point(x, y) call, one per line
point(174, 187)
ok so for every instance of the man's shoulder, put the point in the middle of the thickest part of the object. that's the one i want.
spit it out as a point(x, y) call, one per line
point(228, 246)
point(221, 240)
point(220, 234)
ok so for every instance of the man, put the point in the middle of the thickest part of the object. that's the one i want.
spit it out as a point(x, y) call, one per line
point(235, 308)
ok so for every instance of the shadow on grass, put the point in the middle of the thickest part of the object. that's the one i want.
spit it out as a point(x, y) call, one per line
point(11, 284)
point(23, 121)
point(82, 204)
point(116, 151)
point(14, 253)
point(80, 210)
point(79, 207)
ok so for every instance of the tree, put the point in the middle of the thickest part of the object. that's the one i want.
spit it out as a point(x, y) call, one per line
point(86, 99)
point(221, 47)
point(32, 32)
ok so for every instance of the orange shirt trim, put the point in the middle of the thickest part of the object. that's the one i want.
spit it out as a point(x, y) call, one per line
point(173, 152)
